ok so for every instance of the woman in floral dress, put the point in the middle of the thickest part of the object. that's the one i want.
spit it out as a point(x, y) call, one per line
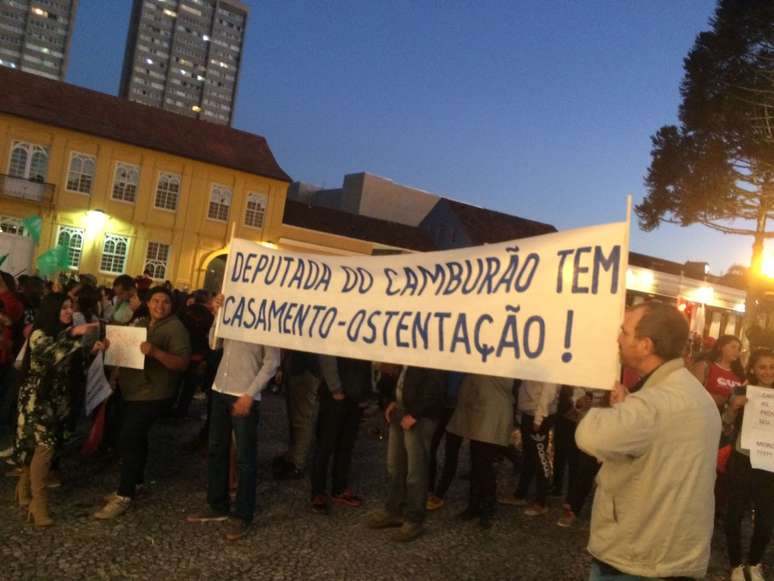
point(44, 399)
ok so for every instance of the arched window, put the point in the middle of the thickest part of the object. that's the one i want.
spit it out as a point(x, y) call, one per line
point(81, 175)
point(167, 191)
point(255, 211)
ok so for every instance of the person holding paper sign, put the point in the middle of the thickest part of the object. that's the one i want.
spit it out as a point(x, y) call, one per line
point(748, 485)
point(243, 373)
point(146, 393)
point(654, 507)
point(44, 400)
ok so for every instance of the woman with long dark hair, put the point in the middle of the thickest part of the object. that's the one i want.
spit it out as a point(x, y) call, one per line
point(749, 487)
point(721, 370)
point(44, 399)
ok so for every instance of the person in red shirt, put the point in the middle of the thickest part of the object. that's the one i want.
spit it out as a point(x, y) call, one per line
point(721, 370)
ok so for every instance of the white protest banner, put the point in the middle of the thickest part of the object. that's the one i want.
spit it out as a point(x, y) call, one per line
point(758, 427)
point(544, 308)
point(97, 385)
point(125, 346)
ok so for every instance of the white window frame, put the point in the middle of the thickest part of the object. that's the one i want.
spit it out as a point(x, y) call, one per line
point(30, 150)
point(220, 203)
point(81, 175)
point(157, 259)
point(11, 225)
point(255, 210)
point(75, 253)
point(114, 255)
point(121, 183)
point(168, 178)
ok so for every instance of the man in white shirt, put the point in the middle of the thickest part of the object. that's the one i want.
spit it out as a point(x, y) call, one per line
point(243, 373)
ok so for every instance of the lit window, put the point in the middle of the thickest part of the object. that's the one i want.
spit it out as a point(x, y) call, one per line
point(11, 225)
point(156, 259)
point(255, 211)
point(170, 13)
point(72, 239)
point(114, 253)
point(28, 161)
point(196, 108)
point(40, 12)
point(167, 191)
point(125, 182)
point(81, 175)
point(220, 202)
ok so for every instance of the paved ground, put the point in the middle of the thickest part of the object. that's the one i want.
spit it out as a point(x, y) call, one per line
point(289, 542)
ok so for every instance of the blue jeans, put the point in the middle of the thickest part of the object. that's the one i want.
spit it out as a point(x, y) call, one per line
point(598, 575)
point(408, 465)
point(245, 430)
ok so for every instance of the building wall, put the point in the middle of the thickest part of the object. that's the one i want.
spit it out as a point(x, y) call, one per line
point(193, 238)
point(387, 200)
point(36, 36)
point(184, 56)
point(444, 227)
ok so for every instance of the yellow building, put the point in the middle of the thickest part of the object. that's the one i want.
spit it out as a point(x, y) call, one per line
point(129, 187)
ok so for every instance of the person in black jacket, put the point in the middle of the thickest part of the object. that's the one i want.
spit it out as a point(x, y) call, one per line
point(347, 382)
point(413, 417)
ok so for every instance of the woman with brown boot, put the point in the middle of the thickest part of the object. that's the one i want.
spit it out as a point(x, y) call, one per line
point(44, 400)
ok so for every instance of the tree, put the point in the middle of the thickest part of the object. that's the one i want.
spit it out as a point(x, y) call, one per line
point(717, 167)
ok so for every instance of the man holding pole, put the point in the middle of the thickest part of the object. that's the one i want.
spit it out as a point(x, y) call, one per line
point(654, 506)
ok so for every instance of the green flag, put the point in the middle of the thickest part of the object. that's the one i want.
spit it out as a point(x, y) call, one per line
point(2, 259)
point(32, 225)
point(53, 260)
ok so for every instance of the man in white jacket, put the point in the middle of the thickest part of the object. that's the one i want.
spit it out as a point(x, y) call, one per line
point(654, 506)
point(537, 404)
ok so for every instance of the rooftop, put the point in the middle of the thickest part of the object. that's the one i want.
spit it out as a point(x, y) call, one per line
point(78, 109)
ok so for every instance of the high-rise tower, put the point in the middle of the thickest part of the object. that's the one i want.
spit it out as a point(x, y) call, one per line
point(184, 56)
point(35, 35)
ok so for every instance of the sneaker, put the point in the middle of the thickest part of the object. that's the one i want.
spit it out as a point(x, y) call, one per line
point(346, 498)
point(536, 510)
point(238, 529)
point(756, 572)
point(6, 453)
point(567, 519)
point(320, 504)
point(433, 502)
point(116, 506)
point(139, 492)
point(737, 574)
point(208, 515)
point(513, 500)
point(407, 532)
point(381, 519)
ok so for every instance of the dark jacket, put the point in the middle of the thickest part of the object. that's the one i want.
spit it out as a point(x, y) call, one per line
point(424, 392)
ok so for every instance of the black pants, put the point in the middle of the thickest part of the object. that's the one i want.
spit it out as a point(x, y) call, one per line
point(137, 420)
point(748, 484)
point(450, 461)
point(440, 430)
point(483, 480)
point(565, 451)
point(192, 379)
point(581, 480)
point(536, 460)
point(337, 425)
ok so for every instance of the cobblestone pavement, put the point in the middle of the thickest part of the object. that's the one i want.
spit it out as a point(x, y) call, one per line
point(289, 542)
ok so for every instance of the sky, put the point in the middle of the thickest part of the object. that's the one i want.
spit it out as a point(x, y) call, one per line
point(539, 109)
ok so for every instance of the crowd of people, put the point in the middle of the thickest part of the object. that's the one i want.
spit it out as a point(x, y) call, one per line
point(664, 448)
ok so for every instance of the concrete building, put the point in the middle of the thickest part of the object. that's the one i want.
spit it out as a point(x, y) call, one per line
point(35, 35)
point(366, 194)
point(184, 56)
